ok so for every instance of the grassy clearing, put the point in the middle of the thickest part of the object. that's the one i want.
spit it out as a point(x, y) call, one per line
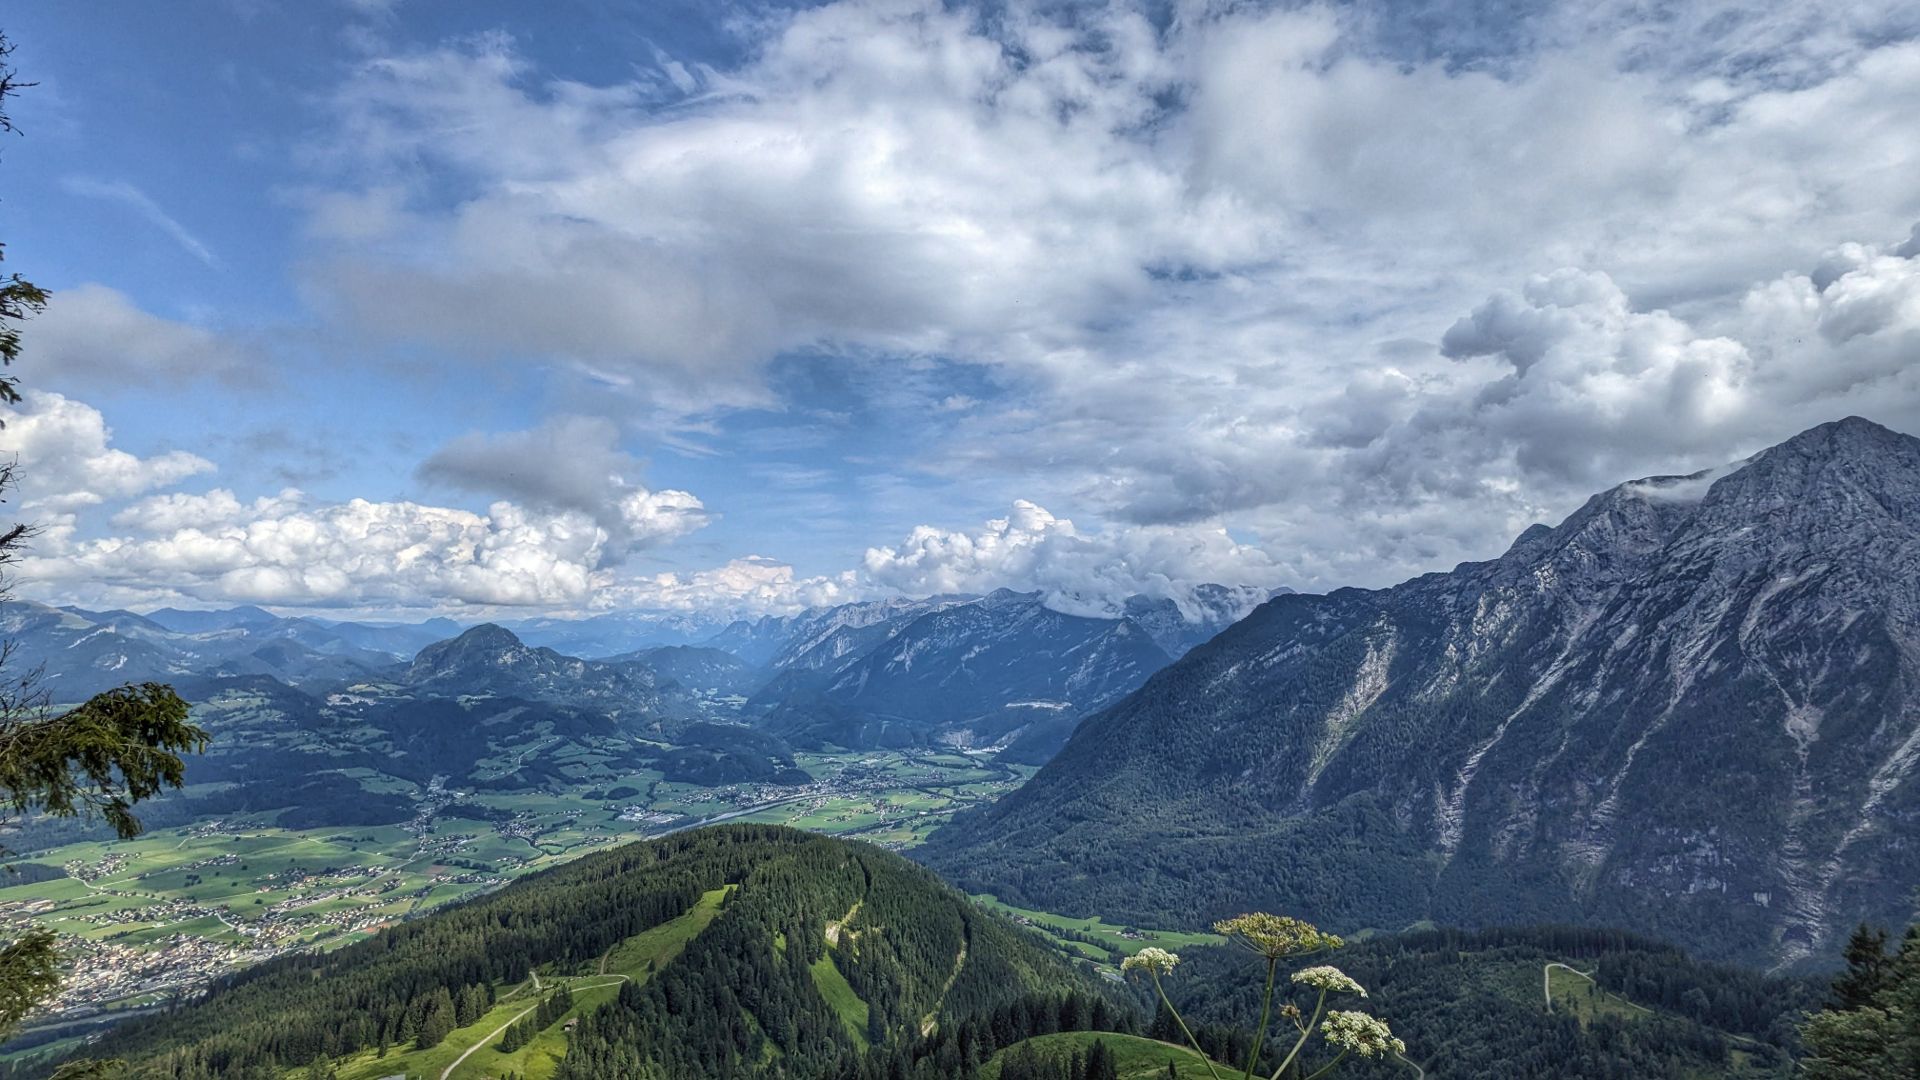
point(839, 993)
point(1125, 939)
point(1137, 1058)
point(417, 1064)
point(640, 955)
point(539, 1059)
point(1575, 995)
point(636, 958)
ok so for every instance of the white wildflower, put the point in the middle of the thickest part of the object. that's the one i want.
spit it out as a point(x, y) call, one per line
point(1360, 1033)
point(1330, 979)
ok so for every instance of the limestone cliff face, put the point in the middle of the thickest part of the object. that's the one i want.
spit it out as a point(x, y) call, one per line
point(1692, 708)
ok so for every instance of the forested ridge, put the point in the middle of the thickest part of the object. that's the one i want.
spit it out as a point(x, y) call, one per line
point(741, 1000)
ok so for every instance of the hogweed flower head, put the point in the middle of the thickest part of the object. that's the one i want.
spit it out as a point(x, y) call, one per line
point(1330, 979)
point(1360, 1033)
point(1152, 960)
point(1276, 936)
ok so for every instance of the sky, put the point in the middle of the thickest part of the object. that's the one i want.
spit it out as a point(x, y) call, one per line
point(410, 308)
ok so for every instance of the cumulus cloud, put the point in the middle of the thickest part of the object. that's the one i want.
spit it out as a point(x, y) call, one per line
point(753, 585)
point(1371, 299)
point(1214, 254)
point(66, 461)
point(284, 548)
point(176, 511)
point(352, 554)
point(570, 463)
point(1031, 549)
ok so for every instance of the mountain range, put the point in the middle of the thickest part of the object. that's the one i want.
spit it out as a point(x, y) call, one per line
point(1690, 708)
point(974, 672)
point(893, 672)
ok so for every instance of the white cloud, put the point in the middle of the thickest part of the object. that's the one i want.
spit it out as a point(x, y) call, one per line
point(176, 511)
point(66, 461)
point(570, 463)
point(1030, 549)
point(1379, 302)
point(752, 585)
point(353, 554)
point(1214, 258)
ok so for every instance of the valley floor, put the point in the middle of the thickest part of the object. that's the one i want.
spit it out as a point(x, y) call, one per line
point(157, 917)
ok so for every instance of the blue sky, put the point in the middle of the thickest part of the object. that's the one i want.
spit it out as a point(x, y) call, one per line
point(401, 306)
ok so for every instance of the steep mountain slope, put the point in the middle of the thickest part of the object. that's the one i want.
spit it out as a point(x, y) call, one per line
point(804, 929)
point(1691, 708)
point(978, 672)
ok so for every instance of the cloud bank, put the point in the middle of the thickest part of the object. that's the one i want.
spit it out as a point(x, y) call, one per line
point(1305, 295)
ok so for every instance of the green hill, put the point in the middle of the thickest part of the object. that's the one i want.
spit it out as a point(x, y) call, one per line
point(1476, 1004)
point(733, 951)
point(1135, 1057)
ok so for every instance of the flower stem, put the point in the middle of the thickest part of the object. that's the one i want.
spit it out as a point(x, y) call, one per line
point(1188, 1032)
point(1328, 1067)
point(1305, 1034)
point(1266, 1012)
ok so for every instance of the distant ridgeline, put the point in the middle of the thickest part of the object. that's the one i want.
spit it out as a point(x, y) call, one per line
point(826, 958)
point(1692, 708)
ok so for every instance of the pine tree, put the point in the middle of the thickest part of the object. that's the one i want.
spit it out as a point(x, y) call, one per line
point(436, 1019)
point(1101, 1064)
point(1866, 972)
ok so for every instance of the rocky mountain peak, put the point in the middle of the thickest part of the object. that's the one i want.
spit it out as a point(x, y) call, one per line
point(1688, 706)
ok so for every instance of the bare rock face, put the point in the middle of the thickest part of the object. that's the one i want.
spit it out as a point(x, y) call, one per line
point(1692, 709)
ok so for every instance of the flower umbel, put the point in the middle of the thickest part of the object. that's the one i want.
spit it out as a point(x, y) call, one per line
point(1330, 979)
point(1361, 1034)
point(1153, 961)
point(1275, 936)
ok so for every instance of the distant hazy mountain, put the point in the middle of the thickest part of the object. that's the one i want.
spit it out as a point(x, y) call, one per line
point(200, 622)
point(698, 668)
point(617, 632)
point(823, 638)
point(489, 659)
point(1691, 708)
point(976, 672)
point(400, 639)
point(80, 652)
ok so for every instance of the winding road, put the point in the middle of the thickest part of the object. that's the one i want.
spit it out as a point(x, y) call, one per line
point(447, 1073)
